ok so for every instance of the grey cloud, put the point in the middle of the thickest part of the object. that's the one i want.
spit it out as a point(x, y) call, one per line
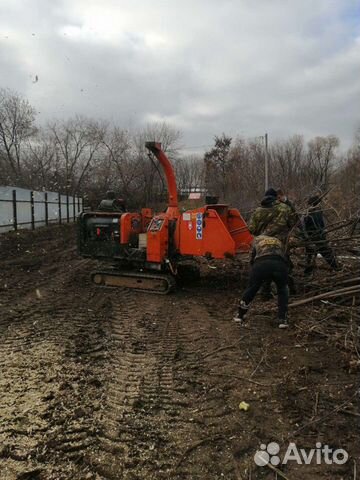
point(206, 67)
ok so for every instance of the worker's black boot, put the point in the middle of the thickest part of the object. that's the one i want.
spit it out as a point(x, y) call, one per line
point(242, 311)
point(283, 322)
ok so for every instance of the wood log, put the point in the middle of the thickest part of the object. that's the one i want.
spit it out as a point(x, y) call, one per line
point(334, 293)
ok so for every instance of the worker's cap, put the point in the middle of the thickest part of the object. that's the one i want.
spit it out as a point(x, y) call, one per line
point(270, 192)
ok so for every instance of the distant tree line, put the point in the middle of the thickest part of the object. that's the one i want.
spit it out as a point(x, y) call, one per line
point(235, 169)
point(83, 156)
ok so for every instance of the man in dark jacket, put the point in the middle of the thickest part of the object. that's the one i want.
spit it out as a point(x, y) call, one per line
point(313, 226)
point(268, 264)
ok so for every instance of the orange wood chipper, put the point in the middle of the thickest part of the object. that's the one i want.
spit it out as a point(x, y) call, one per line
point(146, 250)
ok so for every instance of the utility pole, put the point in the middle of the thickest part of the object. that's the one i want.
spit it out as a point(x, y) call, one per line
point(266, 163)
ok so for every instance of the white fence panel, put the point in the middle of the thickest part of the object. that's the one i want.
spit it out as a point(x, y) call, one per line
point(6, 208)
point(21, 208)
point(39, 208)
point(53, 206)
point(63, 207)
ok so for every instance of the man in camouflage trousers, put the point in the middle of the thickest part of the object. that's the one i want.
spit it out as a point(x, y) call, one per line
point(274, 218)
point(269, 263)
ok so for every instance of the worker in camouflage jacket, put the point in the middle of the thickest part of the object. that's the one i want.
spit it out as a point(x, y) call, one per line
point(268, 260)
point(275, 218)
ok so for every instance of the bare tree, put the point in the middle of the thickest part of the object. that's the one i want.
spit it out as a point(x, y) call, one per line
point(40, 162)
point(287, 164)
point(81, 155)
point(120, 150)
point(348, 179)
point(321, 158)
point(77, 141)
point(217, 166)
point(151, 184)
point(190, 173)
point(17, 126)
point(168, 136)
point(246, 180)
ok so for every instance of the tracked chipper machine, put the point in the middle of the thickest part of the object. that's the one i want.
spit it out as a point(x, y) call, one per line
point(146, 250)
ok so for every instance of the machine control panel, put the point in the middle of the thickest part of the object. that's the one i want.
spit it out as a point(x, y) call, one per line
point(156, 224)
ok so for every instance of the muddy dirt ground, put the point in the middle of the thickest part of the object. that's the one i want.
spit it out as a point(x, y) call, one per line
point(104, 384)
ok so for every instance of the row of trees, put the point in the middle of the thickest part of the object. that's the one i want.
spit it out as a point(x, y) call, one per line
point(235, 169)
point(83, 156)
point(87, 157)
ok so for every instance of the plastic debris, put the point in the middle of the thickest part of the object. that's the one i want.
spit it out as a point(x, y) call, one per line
point(244, 406)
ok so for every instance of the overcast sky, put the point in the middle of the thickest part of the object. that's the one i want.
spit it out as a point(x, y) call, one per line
point(242, 67)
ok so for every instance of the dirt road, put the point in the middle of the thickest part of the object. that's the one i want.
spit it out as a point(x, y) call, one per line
point(104, 384)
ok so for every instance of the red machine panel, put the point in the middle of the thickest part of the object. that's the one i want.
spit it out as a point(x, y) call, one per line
point(239, 230)
point(130, 224)
point(202, 232)
point(157, 239)
point(146, 215)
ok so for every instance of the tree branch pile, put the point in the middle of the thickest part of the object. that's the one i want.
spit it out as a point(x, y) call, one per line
point(329, 303)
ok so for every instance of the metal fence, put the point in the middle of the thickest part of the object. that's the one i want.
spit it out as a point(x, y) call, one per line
point(21, 208)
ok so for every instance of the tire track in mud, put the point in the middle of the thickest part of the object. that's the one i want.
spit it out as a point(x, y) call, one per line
point(51, 357)
point(103, 384)
point(48, 279)
point(135, 441)
point(123, 382)
point(158, 395)
point(209, 418)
